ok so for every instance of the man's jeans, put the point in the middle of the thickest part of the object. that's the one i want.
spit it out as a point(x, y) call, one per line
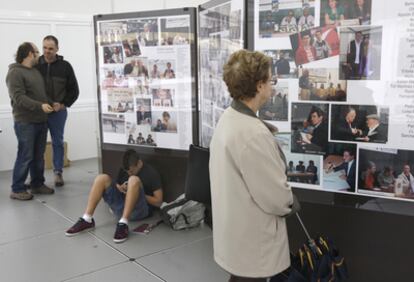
point(31, 138)
point(56, 124)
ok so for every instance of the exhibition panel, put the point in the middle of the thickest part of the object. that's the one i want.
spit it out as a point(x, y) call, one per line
point(146, 69)
point(343, 101)
point(221, 32)
point(341, 97)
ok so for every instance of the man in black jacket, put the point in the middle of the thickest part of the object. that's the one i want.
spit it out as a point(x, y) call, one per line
point(348, 165)
point(376, 132)
point(354, 56)
point(62, 88)
point(319, 136)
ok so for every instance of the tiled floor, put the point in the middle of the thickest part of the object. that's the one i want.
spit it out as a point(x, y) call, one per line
point(33, 245)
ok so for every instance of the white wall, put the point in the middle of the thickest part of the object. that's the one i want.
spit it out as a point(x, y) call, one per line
point(65, 7)
point(75, 33)
point(72, 23)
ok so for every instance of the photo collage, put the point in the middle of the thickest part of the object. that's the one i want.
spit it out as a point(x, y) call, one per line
point(143, 88)
point(327, 55)
point(220, 34)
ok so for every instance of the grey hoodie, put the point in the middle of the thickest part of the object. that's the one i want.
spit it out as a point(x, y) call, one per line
point(27, 93)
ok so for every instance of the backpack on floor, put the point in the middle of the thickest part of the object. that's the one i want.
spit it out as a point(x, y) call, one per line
point(182, 213)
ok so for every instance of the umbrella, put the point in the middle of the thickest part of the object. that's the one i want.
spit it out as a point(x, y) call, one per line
point(318, 260)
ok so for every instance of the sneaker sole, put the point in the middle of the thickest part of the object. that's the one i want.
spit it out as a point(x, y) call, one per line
point(20, 199)
point(59, 184)
point(83, 231)
point(120, 240)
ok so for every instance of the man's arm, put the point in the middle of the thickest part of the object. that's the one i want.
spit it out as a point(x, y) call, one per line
point(156, 199)
point(17, 93)
point(72, 88)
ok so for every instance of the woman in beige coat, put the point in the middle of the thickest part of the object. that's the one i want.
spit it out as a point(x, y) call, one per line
point(250, 193)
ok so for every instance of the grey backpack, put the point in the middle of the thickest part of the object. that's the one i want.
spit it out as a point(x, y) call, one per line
point(182, 213)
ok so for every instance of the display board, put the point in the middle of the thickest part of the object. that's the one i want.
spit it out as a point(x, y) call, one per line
point(221, 32)
point(344, 97)
point(146, 76)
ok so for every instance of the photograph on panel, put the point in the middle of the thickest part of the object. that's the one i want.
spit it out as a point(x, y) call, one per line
point(283, 63)
point(309, 124)
point(339, 167)
point(276, 108)
point(175, 30)
point(207, 114)
point(235, 28)
point(120, 100)
point(146, 31)
point(164, 121)
point(112, 77)
point(130, 45)
point(136, 67)
point(345, 12)
point(360, 53)
point(140, 134)
point(221, 33)
point(386, 172)
point(217, 114)
point(113, 123)
point(143, 107)
point(284, 17)
point(321, 85)
point(360, 123)
point(113, 54)
point(162, 97)
point(139, 85)
point(218, 94)
point(301, 168)
point(111, 32)
point(315, 44)
point(206, 135)
point(161, 69)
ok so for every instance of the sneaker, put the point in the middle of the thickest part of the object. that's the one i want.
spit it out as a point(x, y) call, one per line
point(59, 180)
point(22, 196)
point(80, 226)
point(43, 190)
point(121, 233)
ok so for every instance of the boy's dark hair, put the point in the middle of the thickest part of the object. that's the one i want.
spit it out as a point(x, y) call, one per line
point(23, 51)
point(129, 159)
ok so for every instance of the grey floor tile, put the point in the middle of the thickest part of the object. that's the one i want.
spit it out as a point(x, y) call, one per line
point(161, 238)
point(189, 263)
point(28, 220)
point(128, 271)
point(55, 257)
point(74, 207)
point(33, 246)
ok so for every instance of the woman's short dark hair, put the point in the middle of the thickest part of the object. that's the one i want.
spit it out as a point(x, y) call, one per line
point(53, 38)
point(129, 159)
point(243, 71)
point(23, 51)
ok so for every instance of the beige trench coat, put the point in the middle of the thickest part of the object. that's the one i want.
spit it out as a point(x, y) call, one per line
point(250, 194)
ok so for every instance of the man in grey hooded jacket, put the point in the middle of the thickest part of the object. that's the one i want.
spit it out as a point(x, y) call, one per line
point(30, 108)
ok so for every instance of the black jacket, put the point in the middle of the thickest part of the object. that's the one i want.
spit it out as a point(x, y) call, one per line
point(379, 135)
point(350, 178)
point(60, 80)
point(320, 136)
